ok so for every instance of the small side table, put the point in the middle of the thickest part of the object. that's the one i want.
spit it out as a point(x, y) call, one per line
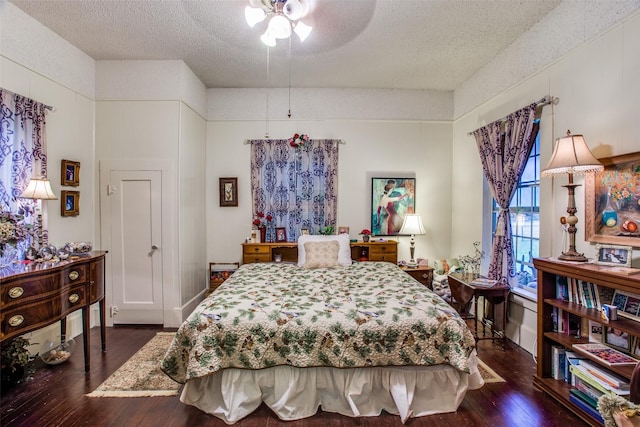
point(422, 274)
point(464, 292)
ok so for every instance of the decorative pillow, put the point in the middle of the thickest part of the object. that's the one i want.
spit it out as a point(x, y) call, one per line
point(344, 252)
point(444, 266)
point(321, 254)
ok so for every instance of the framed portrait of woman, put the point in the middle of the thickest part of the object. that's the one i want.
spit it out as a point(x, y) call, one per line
point(391, 200)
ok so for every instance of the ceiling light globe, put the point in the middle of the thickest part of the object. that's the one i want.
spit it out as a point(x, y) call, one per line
point(253, 15)
point(302, 30)
point(267, 39)
point(279, 27)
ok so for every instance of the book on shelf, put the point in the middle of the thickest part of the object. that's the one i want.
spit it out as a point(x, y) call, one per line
point(557, 362)
point(585, 397)
point(483, 282)
point(585, 290)
point(606, 295)
point(603, 374)
point(596, 296)
point(562, 288)
point(587, 388)
point(605, 354)
point(585, 407)
point(579, 372)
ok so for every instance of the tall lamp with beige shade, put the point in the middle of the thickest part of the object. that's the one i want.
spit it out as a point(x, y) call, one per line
point(39, 189)
point(572, 156)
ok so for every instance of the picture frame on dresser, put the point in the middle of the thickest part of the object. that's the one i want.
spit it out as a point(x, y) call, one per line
point(391, 199)
point(612, 212)
point(69, 203)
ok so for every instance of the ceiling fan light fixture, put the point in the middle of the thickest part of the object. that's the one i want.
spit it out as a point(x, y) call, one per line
point(302, 30)
point(254, 15)
point(295, 9)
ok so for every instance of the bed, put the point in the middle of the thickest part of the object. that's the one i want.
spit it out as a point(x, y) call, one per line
point(354, 340)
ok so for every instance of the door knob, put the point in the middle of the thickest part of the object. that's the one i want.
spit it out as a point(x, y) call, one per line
point(154, 247)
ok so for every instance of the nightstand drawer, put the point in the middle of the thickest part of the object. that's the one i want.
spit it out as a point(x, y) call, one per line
point(258, 257)
point(256, 249)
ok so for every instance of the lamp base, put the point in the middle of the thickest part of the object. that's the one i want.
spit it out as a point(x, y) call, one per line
point(573, 256)
point(412, 264)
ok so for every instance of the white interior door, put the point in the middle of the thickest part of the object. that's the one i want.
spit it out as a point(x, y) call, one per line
point(135, 210)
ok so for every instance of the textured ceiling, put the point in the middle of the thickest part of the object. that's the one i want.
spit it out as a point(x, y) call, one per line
point(401, 44)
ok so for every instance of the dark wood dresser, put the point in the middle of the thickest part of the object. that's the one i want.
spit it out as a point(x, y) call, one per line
point(39, 294)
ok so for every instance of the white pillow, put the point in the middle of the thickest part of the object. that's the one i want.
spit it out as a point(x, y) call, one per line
point(344, 254)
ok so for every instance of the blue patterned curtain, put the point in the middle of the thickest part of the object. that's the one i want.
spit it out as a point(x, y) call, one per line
point(504, 155)
point(297, 186)
point(22, 153)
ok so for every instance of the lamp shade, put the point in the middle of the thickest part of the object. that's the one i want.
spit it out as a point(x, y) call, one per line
point(39, 188)
point(412, 225)
point(571, 155)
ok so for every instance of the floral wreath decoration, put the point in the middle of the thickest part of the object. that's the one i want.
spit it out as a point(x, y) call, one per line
point(298, 140)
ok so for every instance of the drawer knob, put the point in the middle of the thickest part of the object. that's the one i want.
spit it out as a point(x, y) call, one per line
point(16, 292)
point(16, 320)
point(74, 275)
point(73, 298)
point(256, 249)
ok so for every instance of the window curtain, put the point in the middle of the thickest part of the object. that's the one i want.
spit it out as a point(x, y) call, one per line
point(504, 154)
point(22, 154)
point(297, 186)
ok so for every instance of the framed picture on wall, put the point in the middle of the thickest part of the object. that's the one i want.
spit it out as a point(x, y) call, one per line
point(391, 200)
point(228, 191)
point(612, 201)
point(70, 173)
point(70, 203)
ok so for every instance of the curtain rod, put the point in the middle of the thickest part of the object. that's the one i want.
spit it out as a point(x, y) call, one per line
point(544, 101)
point(248, 141)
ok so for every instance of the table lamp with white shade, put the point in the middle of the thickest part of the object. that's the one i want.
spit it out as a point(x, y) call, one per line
point(412, 225)
point(39, 189)
point(571, 156)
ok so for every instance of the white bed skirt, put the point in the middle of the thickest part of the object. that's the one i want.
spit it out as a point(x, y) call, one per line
point(296, 393)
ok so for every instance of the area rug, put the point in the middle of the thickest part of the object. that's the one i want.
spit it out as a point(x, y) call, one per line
point(488, 374)
point(140, 376)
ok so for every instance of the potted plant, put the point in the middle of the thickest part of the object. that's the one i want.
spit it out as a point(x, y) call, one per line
point(366, 233)
point(14, 357)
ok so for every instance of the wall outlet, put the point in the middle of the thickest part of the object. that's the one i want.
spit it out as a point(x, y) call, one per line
point(114, 310)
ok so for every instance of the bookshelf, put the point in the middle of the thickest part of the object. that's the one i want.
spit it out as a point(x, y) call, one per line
point(548, 270)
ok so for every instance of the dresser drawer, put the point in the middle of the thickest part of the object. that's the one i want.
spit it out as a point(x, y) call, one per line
point(383, 253)
point(257, 257)
point(73, 299)
point(256, 249)
point(28, 317)
point(28, 288)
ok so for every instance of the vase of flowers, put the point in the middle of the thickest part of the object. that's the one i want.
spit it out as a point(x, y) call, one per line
point(366, 233)
point(262, 222)
point(12, 231)
point(298, 140)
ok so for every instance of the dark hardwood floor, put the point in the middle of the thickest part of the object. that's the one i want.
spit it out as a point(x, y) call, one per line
point(55, 396)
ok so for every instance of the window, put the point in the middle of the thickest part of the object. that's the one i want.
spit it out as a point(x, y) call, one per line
point(525, 222)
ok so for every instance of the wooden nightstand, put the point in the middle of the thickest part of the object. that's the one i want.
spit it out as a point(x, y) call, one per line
point(422, 274)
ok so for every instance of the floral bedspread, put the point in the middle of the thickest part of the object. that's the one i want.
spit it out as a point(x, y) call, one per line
point(368, 314)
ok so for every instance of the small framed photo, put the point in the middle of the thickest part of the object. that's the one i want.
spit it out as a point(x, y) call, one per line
point(70, 203)
point(617, 339)
point(343, 230)
point(628, 304)
point(619, 256)
point(304, 231)
point(281, 234)
point(255, 236)
point(70, 173)
point(228, 191)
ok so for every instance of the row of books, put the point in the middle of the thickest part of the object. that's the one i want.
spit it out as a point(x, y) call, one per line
point(567, 323)
point(589, 380)
point(584, 293)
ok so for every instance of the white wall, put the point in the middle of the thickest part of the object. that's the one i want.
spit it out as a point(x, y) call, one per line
point(373, 148)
